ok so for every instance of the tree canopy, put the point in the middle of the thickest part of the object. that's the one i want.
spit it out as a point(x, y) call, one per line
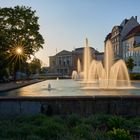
point(130, 63)
point(19, 28)
point(35, 66)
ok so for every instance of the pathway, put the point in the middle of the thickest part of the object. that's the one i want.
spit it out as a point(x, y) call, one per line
point(18, 84)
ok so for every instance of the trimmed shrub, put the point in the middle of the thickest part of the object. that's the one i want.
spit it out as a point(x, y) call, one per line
point(73, 120)
point(51, 130)
point(116, 122)
point(82, 132)
point(135, 76)
point(118, 134)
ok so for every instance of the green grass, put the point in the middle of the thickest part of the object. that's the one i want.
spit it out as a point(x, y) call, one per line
point(73, 127)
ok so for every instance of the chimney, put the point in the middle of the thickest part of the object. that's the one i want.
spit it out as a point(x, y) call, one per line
point(136, 18)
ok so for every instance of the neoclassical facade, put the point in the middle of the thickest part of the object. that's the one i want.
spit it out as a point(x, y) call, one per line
point(118, 33)
point(61, 63)
point(64, 62)
point(131, 47)
point(116, 40)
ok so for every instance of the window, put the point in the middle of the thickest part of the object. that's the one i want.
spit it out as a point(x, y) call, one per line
point(53, 62)
point(64, 63)
point(66, 71)
point(59, 62)
point(68, 62)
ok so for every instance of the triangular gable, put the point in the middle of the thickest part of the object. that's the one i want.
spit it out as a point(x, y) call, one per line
point(64, 52)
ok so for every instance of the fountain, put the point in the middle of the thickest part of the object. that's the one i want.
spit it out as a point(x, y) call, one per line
point(49, 86)
point(87, 61)
point(74, 75)
point(110, 75)
point(79, 66)
point(95, 78)
point(77, 75)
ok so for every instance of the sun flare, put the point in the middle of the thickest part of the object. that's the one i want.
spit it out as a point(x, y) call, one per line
point(17, 53)
point(19, 50)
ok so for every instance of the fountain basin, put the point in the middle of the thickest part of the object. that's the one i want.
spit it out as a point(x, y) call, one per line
point(66, 105)
point(69, 88)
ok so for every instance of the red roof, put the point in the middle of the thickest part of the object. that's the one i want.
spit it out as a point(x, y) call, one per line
point(134, 32)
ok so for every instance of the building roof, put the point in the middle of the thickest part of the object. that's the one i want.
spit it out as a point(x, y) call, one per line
point(82, 49)
point(64, 52)
point(100, 53)
point(75, 51)
point(124, 22)
point(108, 37)
point(134, 32)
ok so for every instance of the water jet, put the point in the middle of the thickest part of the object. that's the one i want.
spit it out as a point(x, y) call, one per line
point(109, 74)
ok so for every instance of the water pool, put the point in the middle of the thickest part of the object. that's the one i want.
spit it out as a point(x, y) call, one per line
point(67, 88)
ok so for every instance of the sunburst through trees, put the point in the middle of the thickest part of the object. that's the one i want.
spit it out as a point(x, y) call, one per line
point(19, 37)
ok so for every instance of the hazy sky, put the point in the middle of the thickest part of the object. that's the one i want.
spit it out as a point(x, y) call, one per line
point(65, 24)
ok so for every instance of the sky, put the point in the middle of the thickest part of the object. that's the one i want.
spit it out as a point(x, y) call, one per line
point(64, 24)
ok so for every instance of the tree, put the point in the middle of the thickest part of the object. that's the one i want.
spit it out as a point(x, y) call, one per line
point(130, 63)
point(35, 66)
point(18, 28)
